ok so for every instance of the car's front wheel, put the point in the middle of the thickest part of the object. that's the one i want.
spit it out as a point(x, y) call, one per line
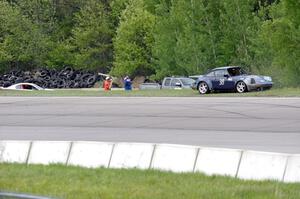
point(241, 87)
point(203, 88)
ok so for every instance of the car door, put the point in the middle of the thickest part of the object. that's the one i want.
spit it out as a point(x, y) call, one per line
point(175, 83)
point(219, 81)
point(229, 83)
point(222, 80)
point(166, 83)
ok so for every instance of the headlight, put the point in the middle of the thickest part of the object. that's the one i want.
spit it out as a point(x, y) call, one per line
point(267, 78)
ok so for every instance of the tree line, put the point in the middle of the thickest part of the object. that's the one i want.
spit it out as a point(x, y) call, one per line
point(153, 38)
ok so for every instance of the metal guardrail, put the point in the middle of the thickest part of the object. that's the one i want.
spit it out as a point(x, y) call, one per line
point(7, 195)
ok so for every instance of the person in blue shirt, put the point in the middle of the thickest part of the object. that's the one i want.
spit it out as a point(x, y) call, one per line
point(127, 84)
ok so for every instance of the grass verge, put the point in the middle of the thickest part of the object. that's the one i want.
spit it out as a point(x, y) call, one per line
point(81, 183)
point(276, 92)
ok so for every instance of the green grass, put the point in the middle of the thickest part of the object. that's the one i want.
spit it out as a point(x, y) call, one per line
point(276, 92)
point(80, 183)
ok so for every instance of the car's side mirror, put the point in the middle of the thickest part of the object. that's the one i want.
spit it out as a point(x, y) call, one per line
point(226, 76)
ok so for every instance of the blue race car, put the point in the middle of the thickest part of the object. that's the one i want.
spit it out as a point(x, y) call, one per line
point(231, 78)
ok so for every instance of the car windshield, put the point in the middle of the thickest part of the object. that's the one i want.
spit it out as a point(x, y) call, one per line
point(187, 81)
point(236, 71)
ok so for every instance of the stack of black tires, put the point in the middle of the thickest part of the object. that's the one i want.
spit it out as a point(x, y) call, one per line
point(46, 78)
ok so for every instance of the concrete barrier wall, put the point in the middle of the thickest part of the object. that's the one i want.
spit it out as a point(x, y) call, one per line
point(126, 155)
point(14, 151)
point(218, 161)
point(44, 152)
point(292, 173)
point(176, 158)
point(261, 165)
point(90, 154)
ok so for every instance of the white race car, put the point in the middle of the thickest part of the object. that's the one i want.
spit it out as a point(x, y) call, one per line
point(25, 86)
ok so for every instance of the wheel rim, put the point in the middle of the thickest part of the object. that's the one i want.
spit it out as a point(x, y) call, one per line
point(203, 88)
point(241, 87)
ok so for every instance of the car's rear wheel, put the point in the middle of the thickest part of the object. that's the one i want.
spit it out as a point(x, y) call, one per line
point(203, 88)
point(241, 87)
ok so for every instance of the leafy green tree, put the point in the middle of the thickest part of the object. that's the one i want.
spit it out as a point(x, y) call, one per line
point(165, 32)
point(282, 35)
point(92, 37)
point(198, 44)
point(134, 40)
point(21, 42)
point(60, 54)
point(187, 37)
point(153, 37)
point(40, 13)
point(117, 7)
point(239, 27)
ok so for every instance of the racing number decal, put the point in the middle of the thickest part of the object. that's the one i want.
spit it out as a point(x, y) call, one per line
point(222, 81)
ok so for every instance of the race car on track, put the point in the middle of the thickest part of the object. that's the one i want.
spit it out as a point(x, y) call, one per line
point(231, 78)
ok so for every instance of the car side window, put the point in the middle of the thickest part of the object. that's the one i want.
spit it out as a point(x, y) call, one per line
point(167, 82)
point(220, 73)
point(211, 74)
point(226, 73)
point(174, 81)
point(33, 88)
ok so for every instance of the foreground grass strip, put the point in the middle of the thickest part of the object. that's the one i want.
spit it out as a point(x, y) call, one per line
point(79, 183)
point(279, 92)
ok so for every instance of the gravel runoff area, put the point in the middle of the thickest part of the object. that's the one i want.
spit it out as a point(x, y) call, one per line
point(263, 124)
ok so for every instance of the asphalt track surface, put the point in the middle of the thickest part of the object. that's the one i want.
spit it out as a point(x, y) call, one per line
point(264, 124)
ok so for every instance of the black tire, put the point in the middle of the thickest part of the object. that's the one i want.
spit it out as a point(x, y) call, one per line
point(241, 87)
point(91, 80)
point(47, 78)
point(6, 84)
point(203, 88)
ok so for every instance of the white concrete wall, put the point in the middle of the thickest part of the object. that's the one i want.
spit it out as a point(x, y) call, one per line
point(213, 161)
point(90, 154)
point(175, 158)
point(49, 152)
point(126, 155)
point(14, 151)
point(261, 165)
point(292, 173)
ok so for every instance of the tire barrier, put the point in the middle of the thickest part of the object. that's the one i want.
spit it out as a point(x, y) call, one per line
point(252, 165)
point(51, 78)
